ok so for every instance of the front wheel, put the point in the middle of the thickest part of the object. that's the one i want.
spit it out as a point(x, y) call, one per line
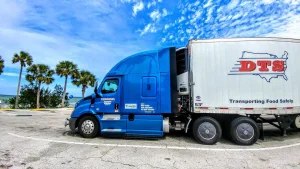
point(244, 131)
point(207, 130)
point(88, 127)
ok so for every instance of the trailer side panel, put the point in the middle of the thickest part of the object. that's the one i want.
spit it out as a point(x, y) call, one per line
point(246, 76)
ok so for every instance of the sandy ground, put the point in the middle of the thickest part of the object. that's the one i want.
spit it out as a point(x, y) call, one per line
point(40, 140)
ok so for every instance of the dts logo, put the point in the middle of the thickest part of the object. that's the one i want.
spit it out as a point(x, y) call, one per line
point(265, 65)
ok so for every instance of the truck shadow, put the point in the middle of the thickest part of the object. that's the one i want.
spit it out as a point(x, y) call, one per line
point(179, 137)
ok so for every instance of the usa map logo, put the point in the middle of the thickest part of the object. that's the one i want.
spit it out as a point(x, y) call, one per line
point(264, 65)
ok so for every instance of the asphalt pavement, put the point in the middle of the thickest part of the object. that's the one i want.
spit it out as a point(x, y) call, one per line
point(38, 139)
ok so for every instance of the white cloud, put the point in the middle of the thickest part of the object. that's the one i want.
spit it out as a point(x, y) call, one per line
point(12, 74)
point(291, 30)
point(293, 2)
point(139, 6)
point(189, 31)
point(237, 15)
point(238, 19)
point(233, 4)
point(149, 28)
point(268, 1)
point(11, 12)
point(183, 11)
point(153, 3)
point(63, 39)
point(167, 26)
point(156, 15)
point(165, 12)
point(163, 40)
point(196, 3)
point(209, 14)
point(171, 37)
point(127, 1)
point(182, 18)
point(220, 10)
point(208, 4)
point(196, 16)
point(180, 31)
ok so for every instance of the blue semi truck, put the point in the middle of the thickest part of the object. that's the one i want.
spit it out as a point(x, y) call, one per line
point(197, 89)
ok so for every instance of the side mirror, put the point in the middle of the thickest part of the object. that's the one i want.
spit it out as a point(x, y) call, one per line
point(96, 87)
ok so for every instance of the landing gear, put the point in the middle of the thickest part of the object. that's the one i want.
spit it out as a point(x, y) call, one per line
point(207, 130)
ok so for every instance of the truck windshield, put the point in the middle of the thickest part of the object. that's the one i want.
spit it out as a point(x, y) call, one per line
point(110, 86)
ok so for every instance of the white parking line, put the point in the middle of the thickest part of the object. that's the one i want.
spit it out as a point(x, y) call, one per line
point(159, 147)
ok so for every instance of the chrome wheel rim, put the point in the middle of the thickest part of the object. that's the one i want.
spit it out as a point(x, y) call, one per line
point(207, 131)
point(87, 127)
point(245, 131)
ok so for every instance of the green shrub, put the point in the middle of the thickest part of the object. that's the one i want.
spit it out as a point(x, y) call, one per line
point(48, 99)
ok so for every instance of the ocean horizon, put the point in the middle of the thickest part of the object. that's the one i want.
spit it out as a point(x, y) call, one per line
point(4, 98)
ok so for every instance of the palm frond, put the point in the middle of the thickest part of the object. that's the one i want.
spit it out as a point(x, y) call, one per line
point(2, 66)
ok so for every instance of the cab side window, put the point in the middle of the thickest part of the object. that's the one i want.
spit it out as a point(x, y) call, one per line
point(110, 86)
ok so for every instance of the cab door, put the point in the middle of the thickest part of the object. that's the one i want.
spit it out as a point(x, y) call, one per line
point(108, 106)
point(110, 99)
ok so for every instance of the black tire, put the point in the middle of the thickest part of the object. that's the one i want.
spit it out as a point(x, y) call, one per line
point(296, 123)
point(88, 121)
point(207, 130)
point(244, 131)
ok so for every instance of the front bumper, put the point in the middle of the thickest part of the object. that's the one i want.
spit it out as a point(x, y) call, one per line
point(72, 123)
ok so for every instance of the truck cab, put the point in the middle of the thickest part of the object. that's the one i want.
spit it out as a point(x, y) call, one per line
point(135, 98)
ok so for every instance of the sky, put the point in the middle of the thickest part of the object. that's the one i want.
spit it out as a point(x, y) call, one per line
point(96, 34)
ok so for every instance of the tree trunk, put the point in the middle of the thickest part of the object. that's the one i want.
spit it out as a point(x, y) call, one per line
point(64, 94)
point(18, 89)
point(38, 96)
point(83, 90)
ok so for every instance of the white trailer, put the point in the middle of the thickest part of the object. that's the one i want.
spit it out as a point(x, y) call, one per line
point(239, 81)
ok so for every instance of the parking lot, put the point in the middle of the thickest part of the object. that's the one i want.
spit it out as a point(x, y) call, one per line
point(38, 139)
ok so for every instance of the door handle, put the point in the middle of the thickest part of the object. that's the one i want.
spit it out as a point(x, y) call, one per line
point(148, 86)
point(116, 107)
point(131, 117)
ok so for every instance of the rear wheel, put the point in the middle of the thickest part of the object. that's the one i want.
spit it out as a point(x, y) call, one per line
point(207, 130)
point(88, 127)
point(244, 131)
point(296, 122)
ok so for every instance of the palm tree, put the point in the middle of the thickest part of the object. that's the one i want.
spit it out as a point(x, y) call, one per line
point(25, 60)
point(65, 69)
point(39, 73)
point(85, 79)
point(1, 65)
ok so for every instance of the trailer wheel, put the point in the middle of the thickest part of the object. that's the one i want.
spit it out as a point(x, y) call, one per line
point(207, 130)
point(296, 123)
point(88, 127)
point(244, 131)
